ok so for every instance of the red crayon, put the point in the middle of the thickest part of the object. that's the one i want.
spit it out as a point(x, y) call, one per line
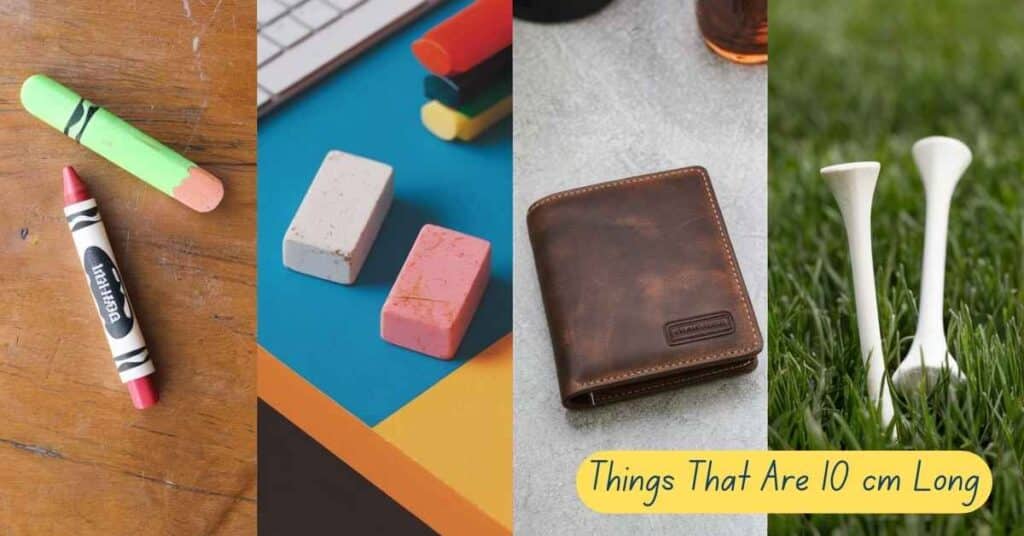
point(124, 335)
point(466, 39)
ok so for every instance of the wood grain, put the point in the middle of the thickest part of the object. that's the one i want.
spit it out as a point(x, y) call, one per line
point(75, 457)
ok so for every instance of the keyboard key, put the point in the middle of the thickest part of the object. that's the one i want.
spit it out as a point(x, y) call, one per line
point(261, 96)
point(267, 11)
point(345, 5)
point(315, 14)
point(350, 32)
point(291, 3)
point(285, 31)
point(265, 49)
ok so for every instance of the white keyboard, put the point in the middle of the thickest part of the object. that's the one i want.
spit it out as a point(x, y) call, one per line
point(300, 41)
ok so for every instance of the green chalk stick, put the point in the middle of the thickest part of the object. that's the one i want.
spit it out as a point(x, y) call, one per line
point(487, 98)
point(117, 141)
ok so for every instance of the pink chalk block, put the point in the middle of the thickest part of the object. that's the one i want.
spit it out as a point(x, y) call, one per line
point(437, 292)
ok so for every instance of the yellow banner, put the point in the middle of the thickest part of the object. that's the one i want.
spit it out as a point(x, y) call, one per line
point(813, 481)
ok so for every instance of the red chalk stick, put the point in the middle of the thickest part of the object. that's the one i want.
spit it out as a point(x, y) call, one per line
point(469, 37)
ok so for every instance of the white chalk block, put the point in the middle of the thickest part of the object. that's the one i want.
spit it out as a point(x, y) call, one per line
point(338, 220)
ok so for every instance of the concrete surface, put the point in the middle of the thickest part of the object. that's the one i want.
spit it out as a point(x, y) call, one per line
point(628, 91)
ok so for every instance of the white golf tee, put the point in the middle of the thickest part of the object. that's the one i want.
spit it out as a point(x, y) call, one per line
point(941, 162)
point(853, 185)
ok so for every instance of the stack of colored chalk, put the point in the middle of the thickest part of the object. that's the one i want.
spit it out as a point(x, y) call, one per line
point(469, 56)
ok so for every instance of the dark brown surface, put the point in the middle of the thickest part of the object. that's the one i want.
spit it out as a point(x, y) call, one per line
point(75, 457)
point(641, 287)
point(308, 490)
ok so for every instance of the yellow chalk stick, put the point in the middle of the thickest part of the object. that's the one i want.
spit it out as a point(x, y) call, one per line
point(449, 124)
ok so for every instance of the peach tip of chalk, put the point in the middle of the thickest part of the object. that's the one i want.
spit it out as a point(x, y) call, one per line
point(200, 191)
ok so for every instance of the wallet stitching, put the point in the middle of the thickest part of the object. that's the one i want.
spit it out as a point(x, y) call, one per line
point(621, 182)
point(722, 240)
point(683, 380)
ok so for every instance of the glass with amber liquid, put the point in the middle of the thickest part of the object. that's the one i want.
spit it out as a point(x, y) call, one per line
point(735, 29)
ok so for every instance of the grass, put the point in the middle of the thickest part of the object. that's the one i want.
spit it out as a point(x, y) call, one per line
point(862, 81)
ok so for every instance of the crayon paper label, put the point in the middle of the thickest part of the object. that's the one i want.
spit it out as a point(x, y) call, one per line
point(123, 332)
point(108, 291)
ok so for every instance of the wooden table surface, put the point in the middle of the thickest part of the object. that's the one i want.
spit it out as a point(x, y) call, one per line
point(75, 457)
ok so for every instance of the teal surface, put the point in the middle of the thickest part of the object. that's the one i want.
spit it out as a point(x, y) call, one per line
point(330, 333)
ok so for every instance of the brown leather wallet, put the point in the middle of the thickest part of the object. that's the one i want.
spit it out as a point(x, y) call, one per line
point(641, 287)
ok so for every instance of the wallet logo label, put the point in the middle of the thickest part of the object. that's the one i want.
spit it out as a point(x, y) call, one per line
point(699, 328)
